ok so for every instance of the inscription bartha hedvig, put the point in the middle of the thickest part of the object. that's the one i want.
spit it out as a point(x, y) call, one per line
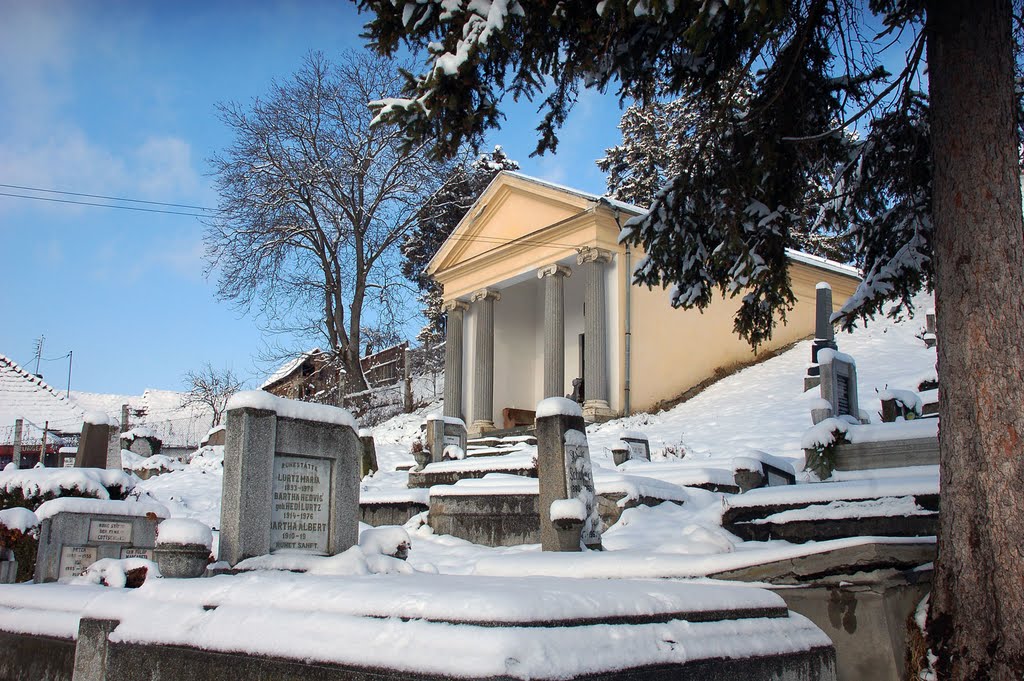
point(300, 515)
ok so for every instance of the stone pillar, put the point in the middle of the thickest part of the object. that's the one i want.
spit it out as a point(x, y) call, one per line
point(824, 334)
point(453, 358)
point(595, 380)
point(483, 371)
point(18, 425)
point(554, 328)
point(92, 649)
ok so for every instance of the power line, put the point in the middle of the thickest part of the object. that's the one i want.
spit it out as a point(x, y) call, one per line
point(101, 196)
point(104, 205)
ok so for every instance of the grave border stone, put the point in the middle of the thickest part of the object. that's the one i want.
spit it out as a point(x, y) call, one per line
point(262, 427)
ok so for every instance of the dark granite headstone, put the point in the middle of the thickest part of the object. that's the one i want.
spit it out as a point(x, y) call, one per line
point(92, 446)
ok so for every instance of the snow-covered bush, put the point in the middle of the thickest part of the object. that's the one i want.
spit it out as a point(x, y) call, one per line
point(389, 540)
point(19, 534)
point(820, 443)
point(32, 488)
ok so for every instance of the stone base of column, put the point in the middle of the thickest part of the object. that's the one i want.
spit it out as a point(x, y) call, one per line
point(597, 411)
point(480, 427)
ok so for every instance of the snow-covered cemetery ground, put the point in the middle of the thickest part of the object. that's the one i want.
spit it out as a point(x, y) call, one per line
point(670, 525)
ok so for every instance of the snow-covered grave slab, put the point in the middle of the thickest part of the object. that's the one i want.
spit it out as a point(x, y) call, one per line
point(886, 507)
point(520, 461)
point(504, 510)
point(392, 506)
point(74, 533)
point(291, 478)
point(731, 474)
point(878, 445)
point(419, 626)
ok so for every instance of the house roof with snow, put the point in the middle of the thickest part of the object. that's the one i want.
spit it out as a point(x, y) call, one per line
point(24, 395)
point(159, 410)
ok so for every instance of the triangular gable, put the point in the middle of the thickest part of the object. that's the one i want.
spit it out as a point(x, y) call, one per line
point(512, 207)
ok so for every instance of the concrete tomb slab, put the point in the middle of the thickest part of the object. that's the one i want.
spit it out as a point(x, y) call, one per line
point(90, 529)
point(291, 478)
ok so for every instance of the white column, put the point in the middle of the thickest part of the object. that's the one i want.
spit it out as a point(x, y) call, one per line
point(483, 371)
point(554, 328)
point(453, 358)
point(595, 379)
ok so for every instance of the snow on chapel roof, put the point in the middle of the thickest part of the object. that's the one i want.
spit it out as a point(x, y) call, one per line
point(26, 396)
point(792, 254)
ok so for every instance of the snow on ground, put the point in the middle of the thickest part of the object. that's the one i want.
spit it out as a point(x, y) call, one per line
point(758, 413)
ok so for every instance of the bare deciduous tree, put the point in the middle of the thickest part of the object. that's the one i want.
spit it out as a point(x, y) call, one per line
point(313, 205)
point(211, 388)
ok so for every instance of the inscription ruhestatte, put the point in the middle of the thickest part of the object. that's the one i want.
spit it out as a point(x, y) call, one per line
point(300, 515)
point(110, 531)
point(74, 560)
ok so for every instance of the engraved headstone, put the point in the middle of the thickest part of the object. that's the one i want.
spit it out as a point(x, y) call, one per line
point(638, 444)
point(75, 533)
point(291, 478)
point(838, 386)
point(564, 472)
point(442, 432)
point(368, 455)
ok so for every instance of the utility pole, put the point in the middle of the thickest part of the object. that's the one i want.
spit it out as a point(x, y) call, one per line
point(39, 351)
point(71, 354)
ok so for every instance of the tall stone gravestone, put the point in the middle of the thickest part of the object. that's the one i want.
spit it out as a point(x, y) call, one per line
point(564, 472)
point(92, 446)
point(75, 533)
point(838, 387)
point(824, 333)
point(442, 432)
point(368, 454)
point(291, 478)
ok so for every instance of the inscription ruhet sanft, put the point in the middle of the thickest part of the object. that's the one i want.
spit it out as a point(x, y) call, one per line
point(301, 510)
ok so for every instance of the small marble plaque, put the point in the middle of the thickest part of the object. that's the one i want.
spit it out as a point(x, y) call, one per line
point(636, 450)
point(452, 440)
point(134, 552)
point(74, 560)
point(113, 531)
point(69, 462)
point(301, 507)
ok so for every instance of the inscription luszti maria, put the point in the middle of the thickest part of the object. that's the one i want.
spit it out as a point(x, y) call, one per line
point(300, 515)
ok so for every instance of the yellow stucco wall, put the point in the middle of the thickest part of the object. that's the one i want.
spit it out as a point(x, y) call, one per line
point(674, 350)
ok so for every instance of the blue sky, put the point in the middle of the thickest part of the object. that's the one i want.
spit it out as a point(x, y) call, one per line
point(117, 98)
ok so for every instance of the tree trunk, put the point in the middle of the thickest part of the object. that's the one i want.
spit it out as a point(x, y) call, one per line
point(977, 609)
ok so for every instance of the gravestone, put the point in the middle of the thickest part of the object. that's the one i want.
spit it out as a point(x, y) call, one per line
point(824, 333)
point(564, 472)
point(638, 444)
point(930, 338)
point(75, 533)
point(92, 446)
point(367, 454)
point(114, 462)
point(67, 456)
point(291, 478)
point(620, 453)
point(838, 386)
point(442, 432)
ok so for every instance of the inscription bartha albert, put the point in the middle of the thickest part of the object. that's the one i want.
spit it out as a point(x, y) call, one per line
point(300, 513)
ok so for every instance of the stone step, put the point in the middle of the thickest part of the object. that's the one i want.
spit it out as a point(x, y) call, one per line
point(816, 512)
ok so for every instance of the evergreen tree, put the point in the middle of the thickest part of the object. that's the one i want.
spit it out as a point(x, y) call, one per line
point(929, 181)
point(436, 221)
